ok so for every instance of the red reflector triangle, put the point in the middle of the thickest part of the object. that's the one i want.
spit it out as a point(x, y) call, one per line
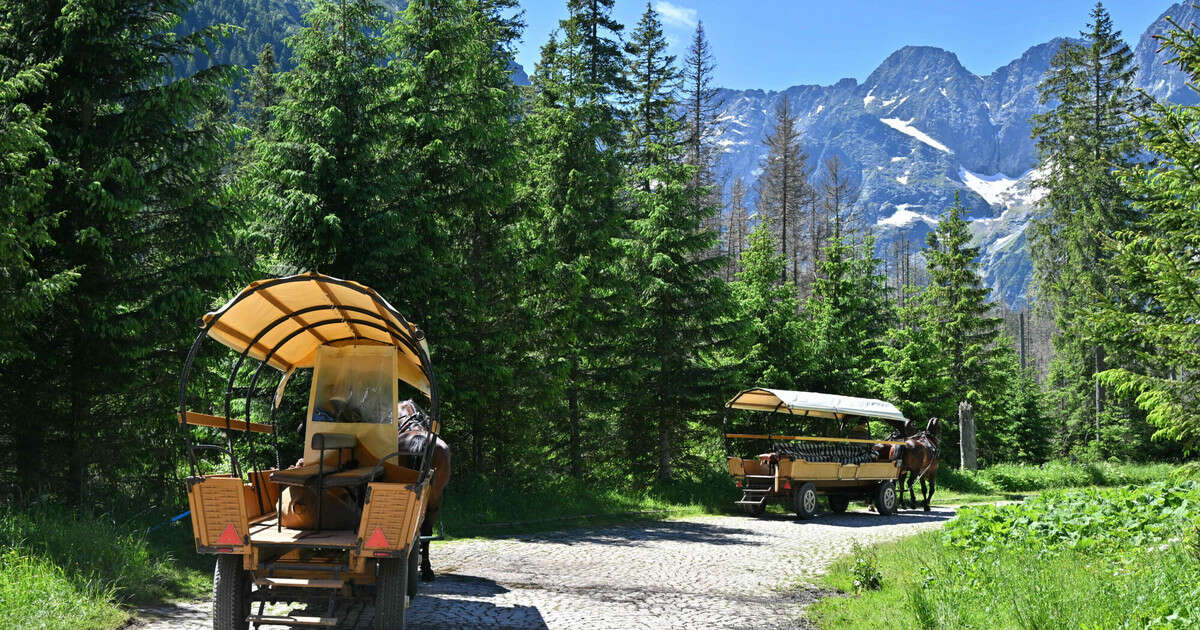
point(377, 538)
point(230, 536)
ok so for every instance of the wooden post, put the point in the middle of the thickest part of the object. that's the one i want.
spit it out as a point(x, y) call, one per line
point(966, 433)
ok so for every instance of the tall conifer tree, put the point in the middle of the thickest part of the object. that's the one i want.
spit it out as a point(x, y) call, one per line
point(133, 160)
point(575, 176)
point(777, 347)
point(783, 189)
point(680, 315)
point(1086, 135)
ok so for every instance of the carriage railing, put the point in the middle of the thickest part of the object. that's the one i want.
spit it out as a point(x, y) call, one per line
point(772, 437)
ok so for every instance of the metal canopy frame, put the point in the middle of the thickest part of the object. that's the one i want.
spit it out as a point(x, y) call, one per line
point(400, 338)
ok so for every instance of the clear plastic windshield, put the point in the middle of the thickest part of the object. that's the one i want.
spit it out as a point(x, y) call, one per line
point(354, 385)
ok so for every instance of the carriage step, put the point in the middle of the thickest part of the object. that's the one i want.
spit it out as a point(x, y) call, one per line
point(301, 566)
point(299, 582)
point(293, 620)
point(745, 502)
point(771, 477)
point(756, 490)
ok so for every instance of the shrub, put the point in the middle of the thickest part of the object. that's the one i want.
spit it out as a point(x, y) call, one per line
point(866, 569)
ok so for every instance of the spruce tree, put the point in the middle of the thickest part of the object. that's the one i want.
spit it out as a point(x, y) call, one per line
point(850, 313)
point(777, 348)
point(574, 179)
point(262, 92)
point(680, 316)
point(783, 189)
point(328, 182)
point(915, 372)
point(1155, 267)
point(967, 337)
point(459, 137)
point(25, 176)
point(133, 158)
point(700, 102)
point(1086, 135)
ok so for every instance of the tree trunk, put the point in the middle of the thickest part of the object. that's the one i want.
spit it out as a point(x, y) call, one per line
point(573, 412)
point(966, 434)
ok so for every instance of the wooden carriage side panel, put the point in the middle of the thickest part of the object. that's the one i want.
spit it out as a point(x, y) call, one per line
point(219, 520)
point(848, 471)
point(390, 518)
point(736, 468)
point(814, 471)
point(878, 470)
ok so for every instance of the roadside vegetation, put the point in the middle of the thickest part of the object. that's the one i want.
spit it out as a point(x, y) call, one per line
point(1131, 553)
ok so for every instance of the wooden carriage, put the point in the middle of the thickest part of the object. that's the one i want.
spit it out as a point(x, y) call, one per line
point(345, 524)
point(796, 470)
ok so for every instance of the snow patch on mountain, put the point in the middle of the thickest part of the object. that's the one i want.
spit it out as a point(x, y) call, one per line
point(903, 217)
point(905, 127)
point(994, 188)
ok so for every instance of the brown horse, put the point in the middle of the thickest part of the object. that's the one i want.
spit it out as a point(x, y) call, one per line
point(411, 441)
point(919, 460)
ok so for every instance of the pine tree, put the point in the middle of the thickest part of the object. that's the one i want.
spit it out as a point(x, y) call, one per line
point(1087, 134)
point(575, 177)
point(261, 92)
point(850, 313)
point(701, 104)
point(459, 136)
point(134, 157)
point(915, 372)
point(777, 354)
point(679, 319)
point(1154, 266)
point(958, 315)
point(328, 181)
point(25, 176)
point(783, 189)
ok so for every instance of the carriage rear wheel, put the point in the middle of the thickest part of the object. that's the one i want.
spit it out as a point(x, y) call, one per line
point(838, 503)
point(804, 500)
point(231, 594)
point(885, 498)
point(391, 593)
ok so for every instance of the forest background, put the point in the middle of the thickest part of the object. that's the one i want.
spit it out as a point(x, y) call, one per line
point(591, 296)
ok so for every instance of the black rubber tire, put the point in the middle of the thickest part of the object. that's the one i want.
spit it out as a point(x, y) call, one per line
point(391, 593)
point(885, 498)
point(231, 594)
point(838, 503)
point(804, 500)
point(755, 510)
point(414, 566)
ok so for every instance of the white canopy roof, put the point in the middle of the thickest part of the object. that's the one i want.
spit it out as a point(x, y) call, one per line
point(815, 404)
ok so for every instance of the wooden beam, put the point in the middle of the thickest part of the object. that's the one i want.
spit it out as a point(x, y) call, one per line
point(205, 420)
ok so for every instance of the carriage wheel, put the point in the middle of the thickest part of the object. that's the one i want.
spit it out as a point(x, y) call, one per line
point(231, 594)
point(885, 498)
point(391, 593)
point(414, 563)
point(804, 500)
point(838, 503)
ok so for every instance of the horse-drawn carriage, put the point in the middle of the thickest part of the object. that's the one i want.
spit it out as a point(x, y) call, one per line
point(796, 470)
point(344, 525)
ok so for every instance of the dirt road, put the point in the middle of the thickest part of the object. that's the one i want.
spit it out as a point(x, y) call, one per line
point(699, 572)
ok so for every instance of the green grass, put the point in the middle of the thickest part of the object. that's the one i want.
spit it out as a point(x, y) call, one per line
point(1091, 559)
point(64, 570)
point(1009, 478)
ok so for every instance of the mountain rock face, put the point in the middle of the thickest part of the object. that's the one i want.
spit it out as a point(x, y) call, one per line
point(922, 127)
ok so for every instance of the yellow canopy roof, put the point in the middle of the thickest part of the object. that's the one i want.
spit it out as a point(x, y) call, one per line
point(289, 318)
point(814, 404)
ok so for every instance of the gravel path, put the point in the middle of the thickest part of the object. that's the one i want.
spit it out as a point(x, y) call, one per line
point(698, 572)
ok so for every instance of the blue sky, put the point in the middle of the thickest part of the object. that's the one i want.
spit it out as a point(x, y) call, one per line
point(774, 44)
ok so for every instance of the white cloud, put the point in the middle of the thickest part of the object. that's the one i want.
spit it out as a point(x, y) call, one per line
point(672, 15)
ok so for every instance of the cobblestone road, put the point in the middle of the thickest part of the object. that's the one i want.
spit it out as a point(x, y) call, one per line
point(699, 572)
